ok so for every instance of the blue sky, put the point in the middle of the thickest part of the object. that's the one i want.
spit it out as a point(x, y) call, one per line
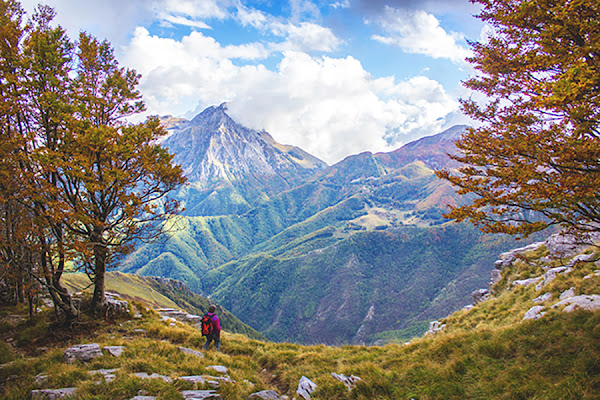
point(335, 77)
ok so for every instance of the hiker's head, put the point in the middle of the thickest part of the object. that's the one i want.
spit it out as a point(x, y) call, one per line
point(212, 308)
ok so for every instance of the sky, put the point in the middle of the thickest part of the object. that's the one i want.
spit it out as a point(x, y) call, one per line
point(334, 77)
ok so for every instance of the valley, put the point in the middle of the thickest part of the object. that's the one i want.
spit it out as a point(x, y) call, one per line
point(357, 252)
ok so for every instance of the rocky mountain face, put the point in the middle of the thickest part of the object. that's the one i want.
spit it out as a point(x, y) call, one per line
point(358, 252)
point(231, 168)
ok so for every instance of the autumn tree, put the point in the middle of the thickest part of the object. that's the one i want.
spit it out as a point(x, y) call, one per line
point(535, 160)
point(90, 182)
point(114, 176)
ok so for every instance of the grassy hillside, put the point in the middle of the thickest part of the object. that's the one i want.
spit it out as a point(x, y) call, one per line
point(161, 293)
point(487, 352)
point(355, 289)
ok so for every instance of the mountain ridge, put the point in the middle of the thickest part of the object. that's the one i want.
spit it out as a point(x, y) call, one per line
point(290, 253)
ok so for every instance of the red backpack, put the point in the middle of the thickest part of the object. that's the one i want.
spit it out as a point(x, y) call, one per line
point(208, 327)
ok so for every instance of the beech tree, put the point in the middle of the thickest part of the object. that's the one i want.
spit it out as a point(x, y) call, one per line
point(79, 182)
point(535, 160)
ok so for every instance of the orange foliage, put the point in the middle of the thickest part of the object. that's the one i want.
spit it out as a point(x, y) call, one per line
point(535, 160)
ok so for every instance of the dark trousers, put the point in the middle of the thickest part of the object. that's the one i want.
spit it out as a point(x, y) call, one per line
point(211, 338)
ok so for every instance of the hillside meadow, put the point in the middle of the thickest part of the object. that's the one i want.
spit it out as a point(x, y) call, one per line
point(485, 352)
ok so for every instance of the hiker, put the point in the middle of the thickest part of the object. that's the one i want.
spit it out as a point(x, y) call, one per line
point(211, 328)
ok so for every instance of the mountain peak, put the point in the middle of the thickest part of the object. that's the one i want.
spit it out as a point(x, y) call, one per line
point(231, 167)
point(213, 116)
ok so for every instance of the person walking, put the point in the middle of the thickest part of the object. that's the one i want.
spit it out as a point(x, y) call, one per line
point(211, 328)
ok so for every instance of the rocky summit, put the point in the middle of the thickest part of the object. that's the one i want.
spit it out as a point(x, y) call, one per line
point(231, 168)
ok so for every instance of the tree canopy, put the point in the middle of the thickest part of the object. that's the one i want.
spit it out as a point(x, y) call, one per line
point(534, 161)
point(78, 183)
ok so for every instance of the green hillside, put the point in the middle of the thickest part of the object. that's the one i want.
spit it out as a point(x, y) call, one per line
point(160, 293)
point(486, 352)
point(372, 233)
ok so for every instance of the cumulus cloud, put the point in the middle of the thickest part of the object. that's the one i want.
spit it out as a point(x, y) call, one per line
point(420, 32)
point(330, 107)
point(305, 36)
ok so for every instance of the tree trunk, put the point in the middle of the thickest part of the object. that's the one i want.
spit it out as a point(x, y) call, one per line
point(100, 260)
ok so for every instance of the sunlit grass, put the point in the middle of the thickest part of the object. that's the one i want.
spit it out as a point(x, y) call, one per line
point(487, 352)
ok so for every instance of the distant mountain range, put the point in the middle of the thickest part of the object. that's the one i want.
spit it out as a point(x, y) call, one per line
point(356, 252)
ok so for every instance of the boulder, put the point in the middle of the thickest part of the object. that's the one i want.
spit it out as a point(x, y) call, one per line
point(201, 380)
point(306, 387)
point(535, 312)
point(191, 351)
point(545, 297)
point(567, 293)
point(265, 395)
point(218, 368)
point(144, 398)
point(582, 302)
point(201, 395)
point(551, 274)
point(349, 381)
point(526, 282)
point(82, 352)
point(565, 245)
point(53, 394)
point(115, 350)
point(108, 374)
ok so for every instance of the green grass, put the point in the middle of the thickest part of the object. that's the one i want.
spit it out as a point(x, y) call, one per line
point(487, 352)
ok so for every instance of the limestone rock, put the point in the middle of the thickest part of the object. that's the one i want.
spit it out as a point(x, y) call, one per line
point(145, 375)
point(40, 380)
point(201, 380)
point(349, 381)
point(306, 387)
point(115, 350)
point(435, 327)
point(108, 374)
point(564, 245)
point(115, 307)
point(201, 395)
point(144, 398)
point(550, 275)
point(526, 282)
point(53, 394)
point(567, 293)
point(265, 395)
point(82, 352)
point(590, 276)
point(219, 368)
point(191, 351)
point(580, 258)
point(545, 297)
point(480, 295)
point(535, 312)
point(507, 258)
point(582, 302)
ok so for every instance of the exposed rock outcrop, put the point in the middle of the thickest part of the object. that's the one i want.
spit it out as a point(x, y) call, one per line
point(535, 312)
point(350, 381)
point(265, 395)
point(82, 352)
point(582, 302)
point(53, 394)
point(306, 387)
